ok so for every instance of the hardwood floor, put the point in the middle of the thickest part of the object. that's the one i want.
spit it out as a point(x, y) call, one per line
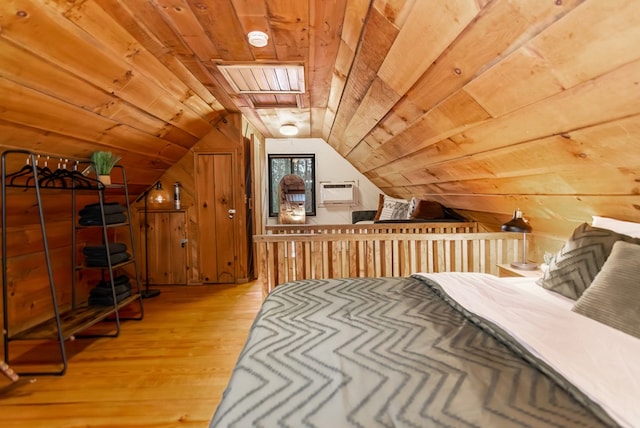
point(167, 370)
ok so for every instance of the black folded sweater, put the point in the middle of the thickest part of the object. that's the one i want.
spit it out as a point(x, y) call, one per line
point(96, 220)
point(92, 210)
point(102, 261)
point(101, 250)
point(107, 292)
point(108, 300)
point(118, 280)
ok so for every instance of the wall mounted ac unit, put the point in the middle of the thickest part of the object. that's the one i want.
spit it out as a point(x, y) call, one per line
point(338, 192)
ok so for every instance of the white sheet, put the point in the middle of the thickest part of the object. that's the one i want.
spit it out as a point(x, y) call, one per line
point(603, 362)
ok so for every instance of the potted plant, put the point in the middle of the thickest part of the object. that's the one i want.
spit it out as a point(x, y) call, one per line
point(103, 162)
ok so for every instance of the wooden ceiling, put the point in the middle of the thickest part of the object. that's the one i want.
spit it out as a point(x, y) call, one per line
point(484, 105)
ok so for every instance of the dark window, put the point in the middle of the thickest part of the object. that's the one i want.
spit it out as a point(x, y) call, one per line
point(302, 165)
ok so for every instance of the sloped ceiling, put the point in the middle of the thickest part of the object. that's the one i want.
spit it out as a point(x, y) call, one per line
point(483, 105)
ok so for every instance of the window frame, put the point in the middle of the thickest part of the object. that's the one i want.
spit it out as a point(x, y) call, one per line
point(274, 207)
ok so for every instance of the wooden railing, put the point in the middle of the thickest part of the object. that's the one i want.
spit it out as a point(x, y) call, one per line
point(290, 257)
point(426, 227)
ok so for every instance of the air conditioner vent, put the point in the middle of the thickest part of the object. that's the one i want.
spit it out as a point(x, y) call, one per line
point(338, 193)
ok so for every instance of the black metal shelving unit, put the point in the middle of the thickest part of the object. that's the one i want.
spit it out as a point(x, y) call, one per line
point(68, 323)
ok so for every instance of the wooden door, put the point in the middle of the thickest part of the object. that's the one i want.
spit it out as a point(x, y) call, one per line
point(251, 225)
point(166, 247)
point(216, 218)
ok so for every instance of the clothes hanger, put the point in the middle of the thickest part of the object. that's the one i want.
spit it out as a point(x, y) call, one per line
point(40, 171)
point(80, 179)
point(25, 170)
point(55, 178)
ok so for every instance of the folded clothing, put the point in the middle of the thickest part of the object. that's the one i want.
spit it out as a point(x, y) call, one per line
point(95, 261)
point(118, 280)
point(102, 294)
point(106, 292)
point(93, 210)
point(101, 250)
point(97, 219)
point(108, 300)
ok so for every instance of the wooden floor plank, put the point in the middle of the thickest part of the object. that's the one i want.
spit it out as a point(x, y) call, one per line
point(168, 370)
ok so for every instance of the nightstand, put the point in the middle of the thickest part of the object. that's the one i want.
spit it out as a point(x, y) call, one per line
point(505, 270)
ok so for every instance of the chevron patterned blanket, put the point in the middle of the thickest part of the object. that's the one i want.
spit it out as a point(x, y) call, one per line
point(385, 352)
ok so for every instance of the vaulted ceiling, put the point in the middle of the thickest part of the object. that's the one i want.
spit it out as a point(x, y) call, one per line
point(484, 105)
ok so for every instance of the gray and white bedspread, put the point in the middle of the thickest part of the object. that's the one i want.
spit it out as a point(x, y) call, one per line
point(383, 352)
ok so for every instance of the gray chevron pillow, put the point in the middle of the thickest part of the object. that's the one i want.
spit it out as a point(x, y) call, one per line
point(614, 295)
point(578, 262)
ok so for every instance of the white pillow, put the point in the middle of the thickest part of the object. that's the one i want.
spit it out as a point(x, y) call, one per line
point(394, 209)
point(628, 228)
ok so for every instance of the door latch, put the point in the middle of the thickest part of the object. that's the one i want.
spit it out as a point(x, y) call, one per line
point(232, 213)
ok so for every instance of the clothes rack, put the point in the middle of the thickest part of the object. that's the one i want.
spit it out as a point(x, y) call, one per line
point(73, 175)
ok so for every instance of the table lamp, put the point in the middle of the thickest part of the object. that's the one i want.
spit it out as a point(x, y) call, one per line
point(519, 225)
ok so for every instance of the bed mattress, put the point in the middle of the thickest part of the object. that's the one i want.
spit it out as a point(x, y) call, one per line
point(393, 352)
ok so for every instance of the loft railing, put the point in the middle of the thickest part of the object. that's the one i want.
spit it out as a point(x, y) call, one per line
point(290, 257)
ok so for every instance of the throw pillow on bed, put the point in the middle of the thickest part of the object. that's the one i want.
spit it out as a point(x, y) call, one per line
point(394, 209)
point(426, 210)
point(619, 226)
point(614, 295)
point(578, 262)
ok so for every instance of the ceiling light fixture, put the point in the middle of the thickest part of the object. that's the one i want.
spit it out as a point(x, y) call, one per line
point(289, 129)
point(258, 39)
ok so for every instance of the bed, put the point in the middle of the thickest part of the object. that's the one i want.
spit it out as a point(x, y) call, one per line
point(393, 210)
point(433, 349)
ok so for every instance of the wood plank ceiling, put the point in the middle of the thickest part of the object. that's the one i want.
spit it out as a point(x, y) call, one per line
point(484, 105)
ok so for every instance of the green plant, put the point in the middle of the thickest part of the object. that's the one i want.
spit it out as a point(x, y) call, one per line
point(103, 162)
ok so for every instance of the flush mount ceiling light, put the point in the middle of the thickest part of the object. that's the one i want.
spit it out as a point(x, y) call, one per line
point(258, 39)
point(289, 129)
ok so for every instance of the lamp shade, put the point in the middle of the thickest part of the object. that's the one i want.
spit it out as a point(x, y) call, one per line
point(159, 197)
point(517, 224)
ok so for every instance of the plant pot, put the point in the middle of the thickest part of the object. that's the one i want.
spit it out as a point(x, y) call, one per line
point(105, 179)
